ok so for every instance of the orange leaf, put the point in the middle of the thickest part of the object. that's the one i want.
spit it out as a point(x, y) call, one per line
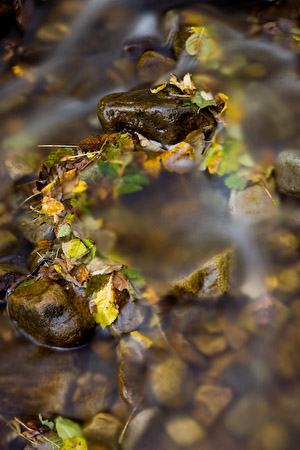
point(51, 206)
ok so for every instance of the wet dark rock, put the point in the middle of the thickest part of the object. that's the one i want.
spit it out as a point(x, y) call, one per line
point(50, 315)
point(153, 65)
point(287, 170)
point(9, 274)
point(35, 230)
point(131, 315)
point(163, 119)
point(212, 280)
point(105, 429)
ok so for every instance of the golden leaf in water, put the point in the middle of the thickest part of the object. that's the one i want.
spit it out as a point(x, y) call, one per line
point(105, 306)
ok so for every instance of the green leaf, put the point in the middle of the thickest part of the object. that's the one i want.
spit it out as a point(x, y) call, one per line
point(76, 443)
point(203, 99)
point(64, 231)
point(58, 154)
point(234, 181)
point(134, 274)
point(27, 282)
point(230, 162)
point(74, 249)
point(108, 169)
point(105, 305)
point(67, 429)
point(128, 188)
point(46, 422)
point(135, 179)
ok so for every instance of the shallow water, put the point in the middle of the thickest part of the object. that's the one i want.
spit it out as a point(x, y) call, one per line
point(49, 91)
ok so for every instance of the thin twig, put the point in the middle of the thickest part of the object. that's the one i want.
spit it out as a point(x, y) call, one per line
point(57, 146)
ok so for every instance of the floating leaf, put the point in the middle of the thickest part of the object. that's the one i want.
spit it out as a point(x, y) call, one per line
point(51, 206)
point(186, 85)
point(106, 303)
point(76, 443)
point(46, 422)
point(74, 249)
point(234, 181)
point(195, 42)
point(158, 89)
point(67, 429)
point(64, 231)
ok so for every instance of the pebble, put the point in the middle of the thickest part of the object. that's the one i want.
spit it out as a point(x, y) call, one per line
point(287, 172)
point(184, 430)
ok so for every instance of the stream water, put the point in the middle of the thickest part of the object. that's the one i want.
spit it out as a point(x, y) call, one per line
point(242, 391)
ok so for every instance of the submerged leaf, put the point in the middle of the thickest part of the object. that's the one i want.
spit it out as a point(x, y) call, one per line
point(105, 305)
point(195, 42)
point(234, 181)
point(129, 188)
point(67, 429)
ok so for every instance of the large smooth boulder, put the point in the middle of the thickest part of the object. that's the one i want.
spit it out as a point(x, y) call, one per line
point(155, 116)
point(287, 170)
point(51, 315)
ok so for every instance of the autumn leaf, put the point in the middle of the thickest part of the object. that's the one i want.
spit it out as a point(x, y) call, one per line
point(158, 88)
point(51, 206)
point(152, 166)
point(76, 443)
point(101, 266)
point(105, 306)
point(186, 85)
point(195, 42)
point(74, 249)
point(80, 187)
point(179, 159)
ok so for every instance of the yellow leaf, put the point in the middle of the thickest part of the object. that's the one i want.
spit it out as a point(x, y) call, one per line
point(158, 89)
point(152, 166)
point(81, 186)
point(75, 443)
point(51, 206)
point(106, 303)
point(224, 98)
point(179, 159)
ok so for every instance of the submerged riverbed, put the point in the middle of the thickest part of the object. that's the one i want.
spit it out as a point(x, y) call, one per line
point(208, 355)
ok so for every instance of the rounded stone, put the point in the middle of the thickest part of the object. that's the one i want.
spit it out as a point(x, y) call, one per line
point(50, 315)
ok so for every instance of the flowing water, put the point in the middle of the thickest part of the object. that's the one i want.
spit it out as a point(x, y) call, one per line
point(246, 393)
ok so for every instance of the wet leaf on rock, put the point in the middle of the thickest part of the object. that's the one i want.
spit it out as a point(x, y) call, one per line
point(105, 306)
point(64, 231)
point(203, 99)
point(74, 249)
point(51, 206)
point(186, 85)
point(179, 159)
